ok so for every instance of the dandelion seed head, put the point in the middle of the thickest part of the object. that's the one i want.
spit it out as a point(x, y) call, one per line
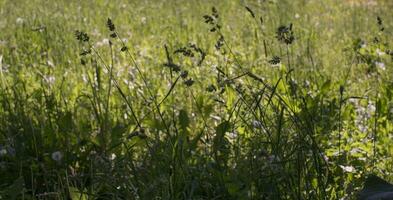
point(3, 152)
point(57, 156)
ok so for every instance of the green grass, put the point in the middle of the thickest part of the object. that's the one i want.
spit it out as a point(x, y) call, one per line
point(168, 108)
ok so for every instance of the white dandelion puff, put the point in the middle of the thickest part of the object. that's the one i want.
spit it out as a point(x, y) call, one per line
point(57, 156)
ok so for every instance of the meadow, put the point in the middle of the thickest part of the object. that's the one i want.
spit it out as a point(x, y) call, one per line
point(204, 99)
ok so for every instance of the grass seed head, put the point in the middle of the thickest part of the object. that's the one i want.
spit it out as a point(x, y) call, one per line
point(110, 25)
point(285, 34)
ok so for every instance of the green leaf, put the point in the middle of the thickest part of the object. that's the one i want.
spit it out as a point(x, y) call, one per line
point(117, 134)
point(14, 190)
point(184, 120)
point(221, 129)
point(75, 194)
point(325, 87)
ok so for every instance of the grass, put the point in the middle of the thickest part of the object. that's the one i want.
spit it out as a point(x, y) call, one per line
point(194, 99)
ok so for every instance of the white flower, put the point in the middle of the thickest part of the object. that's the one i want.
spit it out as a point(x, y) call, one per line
point(57, 156)
point(380, 65)
point(233, 135)
point(143, 20)
point(104, 41)
point(20, 20)
point(348, 169)
point(50, 79)
point(379, 52)
point(307, 83)
point(371, 108)
point(353, 100)
point(297, 16)
point(113, 156)
point(3, 152)
point(50, 63)
point(362, 128)
point(85, 78)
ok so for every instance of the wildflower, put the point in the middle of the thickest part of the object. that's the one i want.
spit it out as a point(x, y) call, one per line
point(50, 63)
point(104, 41)
point(349, 169)
point(3, 152)
point(143, 20)
point(380, 65)
point(379, 52)
point(371, 108)
point(353, 101)
point(85, 78)
point(19, 20)
point(57, 156)
point(233, 135)
point(113, 156)
point(50, 79)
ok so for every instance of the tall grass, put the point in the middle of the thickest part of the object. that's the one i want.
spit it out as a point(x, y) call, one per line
point(236, 100)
